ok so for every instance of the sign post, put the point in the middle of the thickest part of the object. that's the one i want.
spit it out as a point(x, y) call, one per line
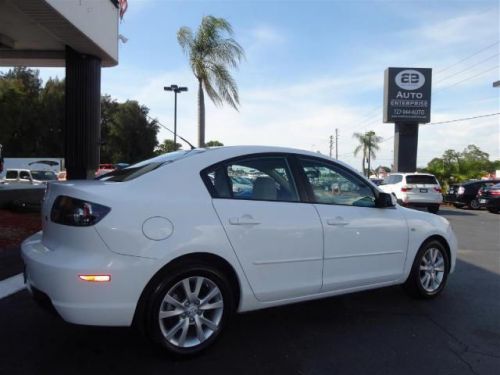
point(407, 103)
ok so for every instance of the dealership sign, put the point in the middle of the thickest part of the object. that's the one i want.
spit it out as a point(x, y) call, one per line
point(407, 95)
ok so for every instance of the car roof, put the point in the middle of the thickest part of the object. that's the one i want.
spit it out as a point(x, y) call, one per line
point(234, 151)
point(479, 182)
point(411, 174)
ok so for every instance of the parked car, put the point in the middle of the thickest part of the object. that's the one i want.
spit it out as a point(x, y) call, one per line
point(26, 176)
point(414, 190)
point(465, 194)
point(377, 181)
point(166, 245)
point(104, 168)
point(490, 198)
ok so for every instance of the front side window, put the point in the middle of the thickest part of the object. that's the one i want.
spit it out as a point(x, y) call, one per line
point(260, 178)
point(23, 175)
point(332, 185)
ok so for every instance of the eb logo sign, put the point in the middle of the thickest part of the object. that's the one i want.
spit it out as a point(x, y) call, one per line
point(409, 79)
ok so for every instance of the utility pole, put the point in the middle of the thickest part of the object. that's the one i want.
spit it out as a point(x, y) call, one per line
point(337, 144)
point(331, 145)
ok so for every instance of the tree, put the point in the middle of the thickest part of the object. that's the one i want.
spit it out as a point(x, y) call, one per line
point(33, 118)
point(20, 126)
point(214, 144)
point(127, 134)
point(167, 146)
point(453, 166)
point(210, 56)
point(368, 143)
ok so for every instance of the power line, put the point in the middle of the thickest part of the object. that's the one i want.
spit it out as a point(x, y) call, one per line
point(467, 79)
point(463, 119)
point(464, 70)
point(468, 57)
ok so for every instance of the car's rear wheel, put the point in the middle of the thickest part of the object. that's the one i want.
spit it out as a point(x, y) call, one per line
point(433, 208)
point(189, 309)
point(474, 204)
point(429, 272)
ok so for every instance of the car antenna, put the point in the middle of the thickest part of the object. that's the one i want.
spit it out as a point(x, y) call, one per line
point(171, 131)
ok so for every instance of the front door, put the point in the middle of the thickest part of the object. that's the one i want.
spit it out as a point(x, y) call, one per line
point(364, 245)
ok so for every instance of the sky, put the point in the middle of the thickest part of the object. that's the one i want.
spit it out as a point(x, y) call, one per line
point(315, 66)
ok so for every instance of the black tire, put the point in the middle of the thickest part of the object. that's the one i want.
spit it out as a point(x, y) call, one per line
point(414, 285)
point(474, 204)
point(154, 329)
point(433, 208)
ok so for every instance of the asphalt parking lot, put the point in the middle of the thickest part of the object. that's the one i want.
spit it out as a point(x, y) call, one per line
point(375, 332)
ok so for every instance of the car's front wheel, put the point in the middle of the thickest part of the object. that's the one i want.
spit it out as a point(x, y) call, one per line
point(429, 272)
point(189, 309)
point(433, 208)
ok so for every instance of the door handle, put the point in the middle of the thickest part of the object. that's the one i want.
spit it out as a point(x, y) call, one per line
point(243, 220)
point(338, 221)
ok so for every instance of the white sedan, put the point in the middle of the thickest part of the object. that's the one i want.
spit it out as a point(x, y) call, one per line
point(168, 245)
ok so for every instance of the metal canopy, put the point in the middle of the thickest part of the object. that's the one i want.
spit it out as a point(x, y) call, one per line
point(36, 32)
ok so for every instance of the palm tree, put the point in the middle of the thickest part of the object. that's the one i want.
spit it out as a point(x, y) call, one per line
point(211, 54)
point(368, 143)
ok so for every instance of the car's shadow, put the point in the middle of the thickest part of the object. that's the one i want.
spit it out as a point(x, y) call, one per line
point(462, 212)
point(377, 332)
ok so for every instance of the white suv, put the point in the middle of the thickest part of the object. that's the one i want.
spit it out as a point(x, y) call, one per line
point(414, 189)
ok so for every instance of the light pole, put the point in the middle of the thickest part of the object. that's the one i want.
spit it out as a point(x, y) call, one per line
point(176, 89)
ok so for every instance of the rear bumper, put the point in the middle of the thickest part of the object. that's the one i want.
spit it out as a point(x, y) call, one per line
point(417, 200)
point(54, 274)
point(489, 202)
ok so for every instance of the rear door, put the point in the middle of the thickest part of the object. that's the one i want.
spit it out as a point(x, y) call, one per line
point(277, 239)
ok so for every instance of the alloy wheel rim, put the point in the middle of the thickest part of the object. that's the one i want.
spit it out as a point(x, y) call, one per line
point(474, 204)
point(432, 270)
point(191, 312)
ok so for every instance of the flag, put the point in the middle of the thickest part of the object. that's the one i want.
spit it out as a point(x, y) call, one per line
point(123, 7)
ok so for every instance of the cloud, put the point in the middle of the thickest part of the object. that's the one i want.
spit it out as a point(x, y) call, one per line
point(268, 35)
point(470, 27)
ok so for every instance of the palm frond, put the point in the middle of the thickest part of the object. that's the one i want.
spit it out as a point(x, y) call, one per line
point(185, 39)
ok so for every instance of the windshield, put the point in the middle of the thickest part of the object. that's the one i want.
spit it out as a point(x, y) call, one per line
point(44, 175)
point(143, 167)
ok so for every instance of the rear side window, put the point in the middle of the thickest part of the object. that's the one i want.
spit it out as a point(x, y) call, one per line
point(421, 179)
point(259, 178)
point(143, 167)
point(393, 179)
point(11, 175)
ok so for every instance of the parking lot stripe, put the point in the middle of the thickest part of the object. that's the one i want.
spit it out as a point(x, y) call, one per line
point(11, 285)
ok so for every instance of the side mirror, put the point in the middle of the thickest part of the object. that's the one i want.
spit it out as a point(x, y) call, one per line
point(385, 200)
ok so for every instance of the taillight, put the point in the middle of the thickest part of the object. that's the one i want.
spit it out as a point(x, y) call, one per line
point(461, 190)
point(76, 212)
point(405, 189)
point(495, 192)
point(438, 189)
